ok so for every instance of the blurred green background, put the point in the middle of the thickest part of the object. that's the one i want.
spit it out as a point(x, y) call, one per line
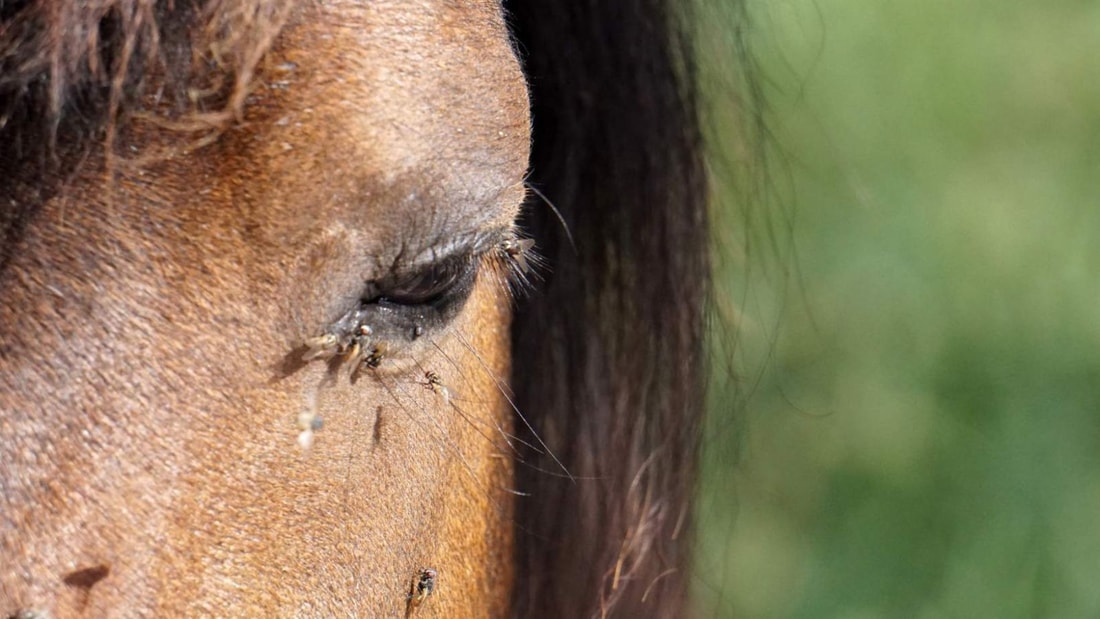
point(911, 293)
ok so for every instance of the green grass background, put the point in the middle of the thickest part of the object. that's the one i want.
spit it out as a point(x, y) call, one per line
point(913, 429)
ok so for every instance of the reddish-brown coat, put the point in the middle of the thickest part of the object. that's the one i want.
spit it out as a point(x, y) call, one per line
point(150, 413)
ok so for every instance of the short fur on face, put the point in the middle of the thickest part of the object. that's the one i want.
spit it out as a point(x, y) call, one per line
point(195, 190)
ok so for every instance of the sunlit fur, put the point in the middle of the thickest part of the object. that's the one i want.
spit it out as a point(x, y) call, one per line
point(166, 259)
point(193, 192)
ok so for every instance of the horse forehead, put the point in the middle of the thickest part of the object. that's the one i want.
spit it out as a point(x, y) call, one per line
point(393, 90)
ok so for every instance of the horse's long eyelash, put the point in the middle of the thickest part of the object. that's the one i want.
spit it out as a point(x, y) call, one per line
point(515, 265)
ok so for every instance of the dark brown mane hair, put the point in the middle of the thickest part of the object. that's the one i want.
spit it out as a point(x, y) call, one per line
point(71, 72)
point(76, 68)
point(608, 354)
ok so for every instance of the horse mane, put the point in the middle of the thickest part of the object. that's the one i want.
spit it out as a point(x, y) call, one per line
point(608, 354)
point(74, 72)
point(77, 68)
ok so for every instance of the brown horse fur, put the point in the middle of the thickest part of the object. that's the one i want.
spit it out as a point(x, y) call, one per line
point(161, 264)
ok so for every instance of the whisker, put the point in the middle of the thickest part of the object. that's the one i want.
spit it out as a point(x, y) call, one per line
point(473, 422)
point(503, 391)
point(500, 512)
point(435, 423)
point(557, 213)
point(566, 475)
point(351, 456)
point(444, 443)
point(507, 436)
point(509, 439)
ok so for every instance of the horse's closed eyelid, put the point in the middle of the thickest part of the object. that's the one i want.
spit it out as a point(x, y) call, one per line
point(397, 309)
point(429, 284)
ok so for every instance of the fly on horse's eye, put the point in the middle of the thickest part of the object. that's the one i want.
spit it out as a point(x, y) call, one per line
point(518, 250)
point(369, 359)
point(405, 305)
point(377, 354)
point(360, 343)
point(348, 337)
point(402, 306)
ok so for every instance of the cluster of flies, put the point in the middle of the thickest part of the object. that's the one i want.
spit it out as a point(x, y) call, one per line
point(353, 345)
point(349, 340)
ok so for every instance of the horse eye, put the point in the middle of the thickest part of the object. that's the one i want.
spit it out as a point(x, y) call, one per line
point(434, 284)
point(397, 308)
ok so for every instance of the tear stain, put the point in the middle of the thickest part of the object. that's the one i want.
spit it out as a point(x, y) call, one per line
point(309, 422)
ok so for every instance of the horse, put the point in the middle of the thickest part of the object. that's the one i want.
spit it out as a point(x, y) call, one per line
point(337, 308)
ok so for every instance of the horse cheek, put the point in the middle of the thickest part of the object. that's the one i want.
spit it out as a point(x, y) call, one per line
point(476, 536)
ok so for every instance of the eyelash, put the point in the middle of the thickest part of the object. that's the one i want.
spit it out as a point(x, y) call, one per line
point(403, 307)
point(433, 285)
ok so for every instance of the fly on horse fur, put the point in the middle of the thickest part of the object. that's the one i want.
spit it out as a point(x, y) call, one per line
point(423, 586)
point(206, 207)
